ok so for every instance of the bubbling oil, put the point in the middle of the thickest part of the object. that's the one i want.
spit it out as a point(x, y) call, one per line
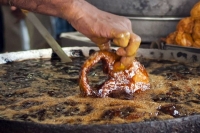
point(45, 91)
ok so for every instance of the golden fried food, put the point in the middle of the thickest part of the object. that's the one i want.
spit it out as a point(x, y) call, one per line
point(171, 38)
point(128, 81)
point(185, 25)
point(196, 30)
point(187, 30)
point(195, 12)
point(196, 43)
point(184, 39)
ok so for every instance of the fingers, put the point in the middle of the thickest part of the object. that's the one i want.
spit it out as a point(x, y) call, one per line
point(105, 46)
point(102, 43)
point(129, 44)
point(121, 39)
point(128, 53)
point(124, 63)
point(13, 8)
point(132, 47)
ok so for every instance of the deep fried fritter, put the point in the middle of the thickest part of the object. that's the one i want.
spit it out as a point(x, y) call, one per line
point(128, 81)
point(195, 12)
point(184, 39)
point(171, 38)
point(185, 25)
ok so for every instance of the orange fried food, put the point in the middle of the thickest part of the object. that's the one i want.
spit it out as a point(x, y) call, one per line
point(196, 43)
point(185, 25)
point(171, 38)
point(187, 30)
point(196, 30)
point(195, 12)
point(127, 81)
point(184, 39)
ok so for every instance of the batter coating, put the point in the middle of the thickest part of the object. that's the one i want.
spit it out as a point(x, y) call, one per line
point(127, 81)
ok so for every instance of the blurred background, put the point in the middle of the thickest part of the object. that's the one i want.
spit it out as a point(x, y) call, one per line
point(18, 33)
point(151, 20)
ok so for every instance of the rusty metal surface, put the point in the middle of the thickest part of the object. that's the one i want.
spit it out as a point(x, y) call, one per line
point(181, 125)
point(156, 11)
point(179, 55)
point(153, 8)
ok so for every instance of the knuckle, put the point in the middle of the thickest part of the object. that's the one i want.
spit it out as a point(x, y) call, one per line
point(128, 22)
point(137, 38)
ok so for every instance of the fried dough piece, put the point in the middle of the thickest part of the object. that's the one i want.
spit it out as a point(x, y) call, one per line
point(184, 39)
point(195, 12)
point(196, 43)
point(196, 30)
point(185, 25)
point(187, 30)
point(171, 38)
point(128, 81)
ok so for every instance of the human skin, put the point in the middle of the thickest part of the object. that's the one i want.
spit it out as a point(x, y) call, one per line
point(101, 27)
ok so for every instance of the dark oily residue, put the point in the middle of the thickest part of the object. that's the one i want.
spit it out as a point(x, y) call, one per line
point(19, 76)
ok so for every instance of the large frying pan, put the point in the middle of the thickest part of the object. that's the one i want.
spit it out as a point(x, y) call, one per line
point(189, 124)
point(184, 124)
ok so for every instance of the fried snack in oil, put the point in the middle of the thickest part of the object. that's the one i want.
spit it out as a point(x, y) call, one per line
point(128, 81)
point(185, 25)
point(184, 39)
point(195, 12)
point(171, 38)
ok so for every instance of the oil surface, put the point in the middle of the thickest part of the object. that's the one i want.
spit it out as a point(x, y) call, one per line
point(45, 91)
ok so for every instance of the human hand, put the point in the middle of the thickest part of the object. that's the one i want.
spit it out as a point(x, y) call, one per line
point(102, 28)
point(17, 13)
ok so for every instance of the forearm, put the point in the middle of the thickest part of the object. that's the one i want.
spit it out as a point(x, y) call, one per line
point(61, 8)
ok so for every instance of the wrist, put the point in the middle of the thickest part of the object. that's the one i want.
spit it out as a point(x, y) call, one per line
point(71, 9)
